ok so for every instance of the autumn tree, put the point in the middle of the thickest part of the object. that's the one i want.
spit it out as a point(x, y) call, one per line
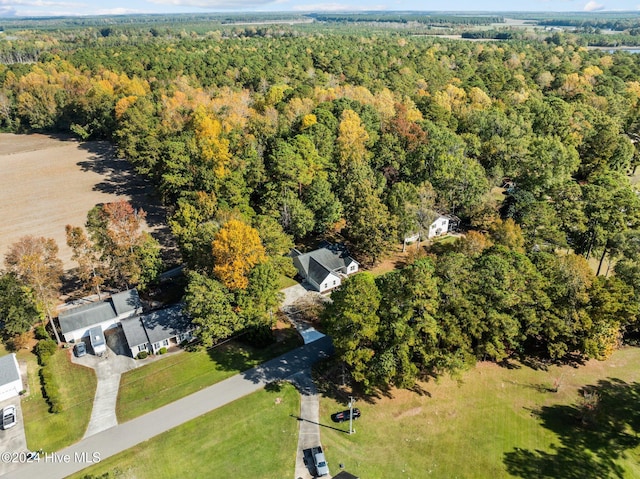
point(133, 255)
point(90, 268)
point(34, 261)
point(237, 248)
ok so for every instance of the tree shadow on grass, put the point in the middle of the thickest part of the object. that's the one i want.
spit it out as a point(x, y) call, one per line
point(594, 434)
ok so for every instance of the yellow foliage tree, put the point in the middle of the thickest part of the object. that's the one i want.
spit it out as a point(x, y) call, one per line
point(237, 248)
point(352, 138)
point(213, 148)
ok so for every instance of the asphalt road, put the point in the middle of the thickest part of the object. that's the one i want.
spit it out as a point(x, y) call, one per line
point(119, 438)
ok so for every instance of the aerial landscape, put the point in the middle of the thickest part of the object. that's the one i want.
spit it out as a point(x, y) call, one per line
point(280, 239)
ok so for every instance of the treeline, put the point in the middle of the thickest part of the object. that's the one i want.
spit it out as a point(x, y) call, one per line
point(408, 17)
point(493, 34)
point(482, 299)
point(364, 138)
point(618, 24)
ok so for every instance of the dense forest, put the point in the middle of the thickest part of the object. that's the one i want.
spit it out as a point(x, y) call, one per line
point(261, 137)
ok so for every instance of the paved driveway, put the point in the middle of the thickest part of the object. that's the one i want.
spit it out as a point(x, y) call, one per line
point(12, 440)
point(108, 368)
point(126, 435)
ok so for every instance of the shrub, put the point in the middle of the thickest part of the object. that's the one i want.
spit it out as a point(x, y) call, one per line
point(142, 355)
point(44, 350)
point(40, 332)
point(50, 390)
point(162, 350)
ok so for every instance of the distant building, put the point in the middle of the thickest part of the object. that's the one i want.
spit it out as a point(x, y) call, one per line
point(10, 380)
point(324, 267)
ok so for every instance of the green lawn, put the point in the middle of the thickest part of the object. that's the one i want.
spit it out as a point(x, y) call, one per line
point(497, 423)
point(173, 377)
point(253, 437)
point(52, 432)
point(286, 282)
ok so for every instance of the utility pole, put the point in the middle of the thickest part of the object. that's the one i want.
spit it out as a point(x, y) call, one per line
point(351, 431)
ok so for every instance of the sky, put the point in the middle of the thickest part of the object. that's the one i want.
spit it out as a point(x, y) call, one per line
point(12, 8)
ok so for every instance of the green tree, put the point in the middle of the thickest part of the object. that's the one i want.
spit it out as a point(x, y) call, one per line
point(352, 321)
point(18, 307)
point(209, 305)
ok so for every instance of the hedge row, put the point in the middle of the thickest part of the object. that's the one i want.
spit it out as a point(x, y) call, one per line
point(50, 389)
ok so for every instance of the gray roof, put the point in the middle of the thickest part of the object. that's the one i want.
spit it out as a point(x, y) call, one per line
point(97, 336)
point(9, 371)
point(85, 316)
point(316, 265)
point(126, 301)
point(316, 271)
point(134, 331)
point(166, 323)
point(345, 475)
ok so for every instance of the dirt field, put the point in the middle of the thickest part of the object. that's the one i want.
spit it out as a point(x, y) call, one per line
point(48, 182)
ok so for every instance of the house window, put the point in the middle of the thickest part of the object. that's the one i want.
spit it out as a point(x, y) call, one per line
point(165, 342)
point(352, 267)
point(142, 347)
point(156, 346)
point(324, 286)
point(334, 282)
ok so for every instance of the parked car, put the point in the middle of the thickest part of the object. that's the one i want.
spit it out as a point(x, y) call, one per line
point(344, 415)
point(80, 349)
point(322, 468)
point(8, 417)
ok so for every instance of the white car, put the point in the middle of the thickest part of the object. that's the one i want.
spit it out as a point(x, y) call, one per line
point(8, 417)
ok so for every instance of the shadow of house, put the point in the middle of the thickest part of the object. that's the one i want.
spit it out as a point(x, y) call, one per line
point(77, 322)
point(159, 329)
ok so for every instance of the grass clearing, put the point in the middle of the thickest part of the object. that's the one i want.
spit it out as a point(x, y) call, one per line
point(286, 282)
point(77, 384)
point(253, 437)
point(498, 423)
point(173, 377)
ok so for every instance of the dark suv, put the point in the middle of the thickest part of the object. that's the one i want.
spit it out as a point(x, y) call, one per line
point(344, 415)
point(80, 349)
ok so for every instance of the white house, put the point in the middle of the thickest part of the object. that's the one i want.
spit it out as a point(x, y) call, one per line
point(325, 267)
point(439, 227)
point(76, 323)
point(10, 380)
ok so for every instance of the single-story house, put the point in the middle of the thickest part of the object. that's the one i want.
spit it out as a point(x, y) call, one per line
point(10, 380)
point(75, 323)
point(324, 267)
point(158, 329)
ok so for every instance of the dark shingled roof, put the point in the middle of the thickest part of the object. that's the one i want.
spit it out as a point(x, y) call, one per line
point(85, 316)
point(345, 475)
point(166, 323)
point(316, 271)
point(9, 370)
point(126, 301)
point(134, 331)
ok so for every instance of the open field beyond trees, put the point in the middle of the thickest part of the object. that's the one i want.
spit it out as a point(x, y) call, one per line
point(147, 388)
point(48, 182)
point(254, 437)
point(497, 422)
point(77, 384)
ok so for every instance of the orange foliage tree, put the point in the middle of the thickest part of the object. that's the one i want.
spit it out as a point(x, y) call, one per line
point(236, 249)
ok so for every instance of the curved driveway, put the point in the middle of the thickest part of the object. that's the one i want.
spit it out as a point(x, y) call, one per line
point(126, 435)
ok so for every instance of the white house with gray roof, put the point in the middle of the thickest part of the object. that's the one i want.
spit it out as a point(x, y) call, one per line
point(325, 267)
point(76, 323)
point(158, 329)
point(10, 380)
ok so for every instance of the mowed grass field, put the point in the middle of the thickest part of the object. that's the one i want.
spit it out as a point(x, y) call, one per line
point(254, 437)
point(170, 378)
point(497, 423)
point(77, 384)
